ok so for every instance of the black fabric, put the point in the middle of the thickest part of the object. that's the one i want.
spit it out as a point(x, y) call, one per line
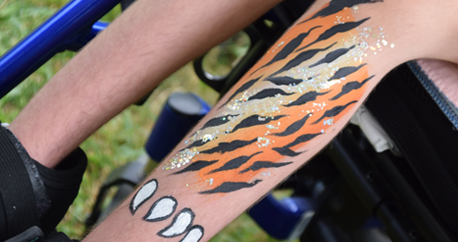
point(32, 234)
point(424, 135)
point(16, 191)
point(49, 192)
point(58, 237)
point(2, 220)
point(62, 185)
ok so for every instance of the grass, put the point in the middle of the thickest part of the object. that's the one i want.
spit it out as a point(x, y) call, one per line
point(121, 140)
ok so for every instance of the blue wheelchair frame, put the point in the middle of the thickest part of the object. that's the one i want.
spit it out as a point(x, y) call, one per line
point(69, 29)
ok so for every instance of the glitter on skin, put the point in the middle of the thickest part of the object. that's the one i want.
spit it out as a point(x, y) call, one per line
point(182, 158)
point(208, 137)
point(328, 122)
point(317, 78)
point(210, 181)
point(364, 41)
point(306, 79)
point(263, 142)
point(270, 126)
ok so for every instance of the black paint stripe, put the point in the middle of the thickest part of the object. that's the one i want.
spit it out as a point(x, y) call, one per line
point(271, 92)
point(336, 6)
point(346, 71)
point(350, 87)
point(290, 47)
point(231, 187)
point(286, 151)
point(224, 147)
point(302, 57)
point(334, 111)
point(243, 88)
point(332, 56)
point(234, 163)
point(340, 28)
point(293, 128)
point(184, 210)
point(264, 164)
point(253, 120)
point(217, 121)
point(196, 143)
point(302, 139)
point(308, 97)
point(197, 165)
point(284, 80)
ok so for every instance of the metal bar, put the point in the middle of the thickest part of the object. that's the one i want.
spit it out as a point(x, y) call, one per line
point(355, 167)
point(80, 40)
point(38, 47)
point(364, 178)
point(412, 203)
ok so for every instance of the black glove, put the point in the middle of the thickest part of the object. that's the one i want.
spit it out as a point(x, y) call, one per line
point(32, 194)
point(34, 234)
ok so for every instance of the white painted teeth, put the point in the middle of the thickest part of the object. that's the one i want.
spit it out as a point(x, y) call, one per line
point(145, 193)
point(194, 235)
point(180, 224)
point(162, 209)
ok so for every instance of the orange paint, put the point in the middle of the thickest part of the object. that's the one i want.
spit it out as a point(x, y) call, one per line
point(294, 113)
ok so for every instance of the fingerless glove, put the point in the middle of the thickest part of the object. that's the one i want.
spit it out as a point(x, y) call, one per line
point(32, 194)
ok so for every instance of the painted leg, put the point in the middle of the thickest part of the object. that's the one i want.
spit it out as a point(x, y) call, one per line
point(281, 113)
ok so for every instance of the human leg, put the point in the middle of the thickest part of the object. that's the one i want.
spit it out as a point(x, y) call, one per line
point(140, 49)
point(282, 112)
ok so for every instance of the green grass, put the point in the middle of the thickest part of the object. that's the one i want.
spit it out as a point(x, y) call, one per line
point(121, 140)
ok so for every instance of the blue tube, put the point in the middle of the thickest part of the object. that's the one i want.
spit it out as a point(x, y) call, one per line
point(80, 40)
point(51, 37)
point(180, 113)
point(281, 219)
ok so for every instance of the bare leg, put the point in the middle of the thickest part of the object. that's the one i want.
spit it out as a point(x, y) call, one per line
point(146, 44)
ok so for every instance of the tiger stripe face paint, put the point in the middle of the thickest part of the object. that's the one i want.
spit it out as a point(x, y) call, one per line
point(314, 75)
point(310, 78)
